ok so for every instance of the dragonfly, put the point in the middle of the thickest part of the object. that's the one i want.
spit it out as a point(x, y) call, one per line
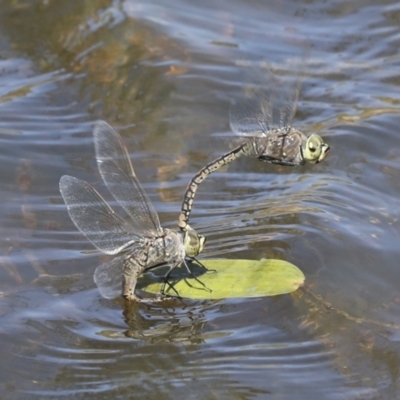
point(139, 241)
point(263, 129)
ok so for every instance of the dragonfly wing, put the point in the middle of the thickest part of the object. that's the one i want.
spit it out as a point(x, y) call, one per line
point(287, 94)
point(108, 278)
point(250, 116)
point(117, 172)
point(94, 217)
point(271, 97)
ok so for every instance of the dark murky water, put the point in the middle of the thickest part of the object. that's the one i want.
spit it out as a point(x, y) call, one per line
point(165, 75)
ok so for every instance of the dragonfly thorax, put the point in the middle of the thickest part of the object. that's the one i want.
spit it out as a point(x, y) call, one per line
point(280, 146)
point(286, 146)
point(167, 247)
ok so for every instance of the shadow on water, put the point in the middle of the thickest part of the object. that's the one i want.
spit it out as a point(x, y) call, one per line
point(65, 64)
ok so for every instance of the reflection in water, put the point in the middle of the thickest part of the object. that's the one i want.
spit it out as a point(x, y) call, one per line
point(174, 322)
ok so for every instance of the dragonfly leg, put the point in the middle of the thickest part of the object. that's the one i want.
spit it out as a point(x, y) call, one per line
point(277, 161)
point(202, 265)
point(171, 285)
point(166, 282)
point(194, 276)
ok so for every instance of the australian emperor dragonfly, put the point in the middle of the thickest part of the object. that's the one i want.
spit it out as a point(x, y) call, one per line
point(139, 241)
point(263, 127)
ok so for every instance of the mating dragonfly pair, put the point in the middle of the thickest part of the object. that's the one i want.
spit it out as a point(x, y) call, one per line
point(140, 242)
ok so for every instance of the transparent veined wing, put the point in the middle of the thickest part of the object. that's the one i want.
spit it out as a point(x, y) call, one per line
point(117, 172)
point(94, 217)
point(250, 116)
point(271, 98)
point(109, 277)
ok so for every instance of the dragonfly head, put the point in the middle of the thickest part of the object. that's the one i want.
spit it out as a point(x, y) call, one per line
point(315, 149)
point(193, 242)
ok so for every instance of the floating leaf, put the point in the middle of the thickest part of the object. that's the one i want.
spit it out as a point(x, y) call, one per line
point(233, 278)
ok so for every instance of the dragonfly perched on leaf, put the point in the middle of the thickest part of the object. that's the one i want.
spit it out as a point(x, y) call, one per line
point(263, 129)
point(139, 241)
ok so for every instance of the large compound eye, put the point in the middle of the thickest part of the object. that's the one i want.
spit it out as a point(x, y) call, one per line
point(313, 149)
point(193, 242)
point(202, 241)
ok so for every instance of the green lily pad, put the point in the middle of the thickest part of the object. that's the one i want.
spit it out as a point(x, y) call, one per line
point(233, 278)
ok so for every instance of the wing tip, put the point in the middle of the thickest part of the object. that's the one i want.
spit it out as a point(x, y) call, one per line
point(64, 181)
point(100, 126)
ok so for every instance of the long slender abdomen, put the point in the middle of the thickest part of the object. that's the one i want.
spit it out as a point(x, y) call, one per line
point(191, 190)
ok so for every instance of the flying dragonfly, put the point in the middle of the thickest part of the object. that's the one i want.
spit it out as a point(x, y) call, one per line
point(139, 241)
point(263, 129)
